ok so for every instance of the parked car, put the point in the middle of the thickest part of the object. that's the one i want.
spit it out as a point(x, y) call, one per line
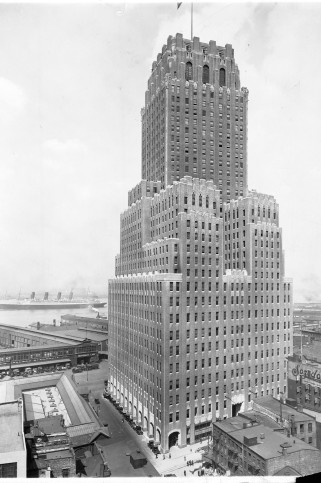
point(97, 400)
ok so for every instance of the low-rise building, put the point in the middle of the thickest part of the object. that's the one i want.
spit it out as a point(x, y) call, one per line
point(99, 323)
point(13, 456)
point(304, 388)
point(296, 423)
point(48, 357)
point(247, 447)
point(49, 449)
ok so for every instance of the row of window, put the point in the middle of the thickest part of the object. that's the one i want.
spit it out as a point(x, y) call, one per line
point(205, 74)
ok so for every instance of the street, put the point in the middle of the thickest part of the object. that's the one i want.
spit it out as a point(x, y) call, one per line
point(123, 439)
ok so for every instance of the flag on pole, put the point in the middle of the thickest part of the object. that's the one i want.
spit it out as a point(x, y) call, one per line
point(179, 4)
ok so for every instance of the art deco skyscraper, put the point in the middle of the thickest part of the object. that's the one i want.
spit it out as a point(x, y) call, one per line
point(193, 127)
point(200, 313)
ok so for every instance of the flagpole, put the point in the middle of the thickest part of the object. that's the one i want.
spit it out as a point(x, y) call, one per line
point(192, 21)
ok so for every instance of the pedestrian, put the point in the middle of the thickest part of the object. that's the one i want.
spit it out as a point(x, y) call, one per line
point(156, 455)
point(184, 472)
point(184, 458)
point(122, 420)
point(164, 456)
point(170, 456)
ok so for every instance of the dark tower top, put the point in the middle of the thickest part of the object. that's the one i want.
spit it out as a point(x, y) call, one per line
point(195, 117)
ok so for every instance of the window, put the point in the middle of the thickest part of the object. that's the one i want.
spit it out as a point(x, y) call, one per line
point(222, 77)
point(206, 74)
point(189, 71)
point(8, 470)
point(65, 472)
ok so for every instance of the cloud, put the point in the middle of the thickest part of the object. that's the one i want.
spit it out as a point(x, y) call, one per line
point(68, 146)
point(12, 99)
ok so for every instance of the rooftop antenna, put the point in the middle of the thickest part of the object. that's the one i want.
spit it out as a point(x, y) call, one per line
point(178, 5)
point(301, 345)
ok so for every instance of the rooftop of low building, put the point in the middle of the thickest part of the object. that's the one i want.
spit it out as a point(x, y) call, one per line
point(268, 443)
point(276, 407)
point(12, 438)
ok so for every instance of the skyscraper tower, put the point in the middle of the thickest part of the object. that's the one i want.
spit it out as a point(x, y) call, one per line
point(197, 125)
point(200, 312)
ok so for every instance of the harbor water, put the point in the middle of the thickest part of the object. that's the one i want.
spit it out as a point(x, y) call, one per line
point(23, 318)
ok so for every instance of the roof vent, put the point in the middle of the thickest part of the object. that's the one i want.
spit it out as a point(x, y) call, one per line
point(250, 441)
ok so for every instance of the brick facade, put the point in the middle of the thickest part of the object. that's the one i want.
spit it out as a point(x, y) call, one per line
point(200, 311)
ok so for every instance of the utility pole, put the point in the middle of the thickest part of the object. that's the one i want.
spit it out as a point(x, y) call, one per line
point(281, 402)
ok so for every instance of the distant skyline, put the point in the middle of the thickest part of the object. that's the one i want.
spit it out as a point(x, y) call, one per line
point(72, 83)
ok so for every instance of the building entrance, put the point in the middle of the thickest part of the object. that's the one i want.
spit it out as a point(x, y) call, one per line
point(236, 408)
point(173, 439)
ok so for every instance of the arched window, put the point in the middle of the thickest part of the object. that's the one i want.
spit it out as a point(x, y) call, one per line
point(193, 199)
point(189, 71)
point(207, 204)
point(200, 200)
point(222, 77)
point(188, 48)
point(206, 74)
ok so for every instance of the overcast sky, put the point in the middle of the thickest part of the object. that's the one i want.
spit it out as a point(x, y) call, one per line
point(72, 83)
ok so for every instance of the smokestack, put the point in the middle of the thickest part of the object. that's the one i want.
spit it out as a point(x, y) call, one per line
point(59, 296)
point(71, 295)
point(38, 325)
point(46, 295)
point(32, 296)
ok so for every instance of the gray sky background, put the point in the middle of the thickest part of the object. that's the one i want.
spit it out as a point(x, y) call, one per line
point(72, 83)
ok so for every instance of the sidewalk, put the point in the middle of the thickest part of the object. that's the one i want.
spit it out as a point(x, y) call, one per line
point(176, 463)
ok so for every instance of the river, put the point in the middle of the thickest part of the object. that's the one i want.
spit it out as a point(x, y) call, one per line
point(23, 318)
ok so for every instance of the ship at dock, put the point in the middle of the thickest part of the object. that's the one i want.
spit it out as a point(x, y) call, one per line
point(46, 303)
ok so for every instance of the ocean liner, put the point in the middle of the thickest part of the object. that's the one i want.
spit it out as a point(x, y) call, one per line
point(46, 303)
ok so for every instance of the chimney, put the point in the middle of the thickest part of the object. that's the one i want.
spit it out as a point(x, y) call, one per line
point(285, 447)
point(38, 325)
point(250, 441)
point(46, 296)
point(54, 322)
